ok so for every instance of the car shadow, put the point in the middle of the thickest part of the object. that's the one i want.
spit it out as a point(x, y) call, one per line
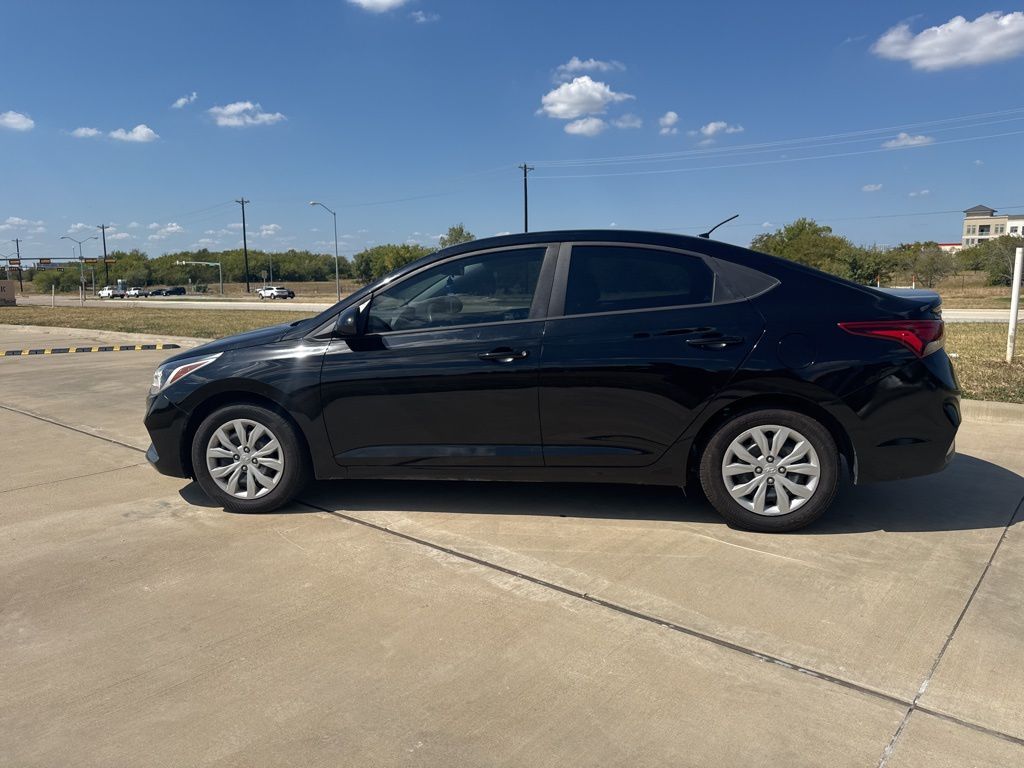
point(970, 494)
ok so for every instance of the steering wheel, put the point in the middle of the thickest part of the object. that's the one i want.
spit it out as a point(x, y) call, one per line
point(441, 308)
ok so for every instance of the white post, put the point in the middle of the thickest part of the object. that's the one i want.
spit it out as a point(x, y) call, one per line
point(53, 295)
point(1011, 337)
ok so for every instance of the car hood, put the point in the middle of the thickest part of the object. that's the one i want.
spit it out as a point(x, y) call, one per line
point(238, 341)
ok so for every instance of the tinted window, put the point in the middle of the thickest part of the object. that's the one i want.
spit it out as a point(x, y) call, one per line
point(613, 278)
point(490, 288)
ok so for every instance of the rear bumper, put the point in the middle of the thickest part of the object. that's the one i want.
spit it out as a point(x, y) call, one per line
point(908, 422)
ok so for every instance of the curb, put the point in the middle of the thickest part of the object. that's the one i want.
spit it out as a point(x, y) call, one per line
point(987, 412)
point(80, 350)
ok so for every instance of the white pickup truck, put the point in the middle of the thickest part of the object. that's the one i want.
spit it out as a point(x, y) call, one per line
point(110, 292)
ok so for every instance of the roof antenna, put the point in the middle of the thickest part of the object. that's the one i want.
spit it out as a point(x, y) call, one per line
point(707, 235)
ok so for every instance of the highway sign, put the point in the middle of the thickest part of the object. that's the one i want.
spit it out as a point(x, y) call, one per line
point(14, 262)
point(44, 261)
point(110, 261)
point(90, 261)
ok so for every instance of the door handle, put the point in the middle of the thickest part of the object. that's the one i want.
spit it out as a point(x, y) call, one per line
point(504, 355)
point(715, 342)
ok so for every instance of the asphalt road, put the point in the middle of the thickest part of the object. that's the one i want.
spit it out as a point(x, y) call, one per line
point(474, 624)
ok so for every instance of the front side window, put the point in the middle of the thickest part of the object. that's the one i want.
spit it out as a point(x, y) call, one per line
point(488, 288)
point(612, 278)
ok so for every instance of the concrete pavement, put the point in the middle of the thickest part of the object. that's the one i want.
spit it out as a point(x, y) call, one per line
point(474, 624)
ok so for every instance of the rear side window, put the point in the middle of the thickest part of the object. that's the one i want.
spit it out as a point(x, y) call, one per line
point(610, 278)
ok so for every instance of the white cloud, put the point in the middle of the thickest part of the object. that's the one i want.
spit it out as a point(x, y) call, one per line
point(119, 236)
point(991, 37)
point(204, 241)
point(140, 134)
point(85, 133)
point(871, 188)
point(586, 126)
point(235, 225)
point(424, 17)
point(161, 233)
point(575, 65)
point(920, 193)
point(134, 225)
point(242, 113)
point(979, 162)
point(17, 221)
point(766, 225)
point(378, 6)
point(667, 123)
point(628, 120)
point(80, 226)
point(583, 96)
point(719, 126)
point(16, 121)
point(184, 101)
point(269, 230)
point(906, 140)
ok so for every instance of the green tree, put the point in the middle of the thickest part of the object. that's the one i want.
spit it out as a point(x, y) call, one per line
point(382, 259)
point(995, 257)
point(455, 236)
point(927, 261)
point(805, 242)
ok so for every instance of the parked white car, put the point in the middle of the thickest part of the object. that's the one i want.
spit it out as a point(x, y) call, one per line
point(111, 292)
point(275, 292)
point(136, 292)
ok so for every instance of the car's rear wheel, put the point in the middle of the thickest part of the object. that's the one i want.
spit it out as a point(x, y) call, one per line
point(770, 470)
point(249, 459)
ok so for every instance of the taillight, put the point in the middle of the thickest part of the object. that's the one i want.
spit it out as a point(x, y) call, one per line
point(922, 337)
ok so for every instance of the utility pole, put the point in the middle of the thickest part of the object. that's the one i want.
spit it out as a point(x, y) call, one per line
point(526, 196)
point(106, 267)
point(17, 250)
point(245, 244)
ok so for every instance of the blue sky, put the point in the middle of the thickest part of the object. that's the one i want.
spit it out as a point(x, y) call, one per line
point(410, 116)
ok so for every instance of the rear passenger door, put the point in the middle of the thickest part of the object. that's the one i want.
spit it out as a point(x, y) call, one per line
point(638, 339)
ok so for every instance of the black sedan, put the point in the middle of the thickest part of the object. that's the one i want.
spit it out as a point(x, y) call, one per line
point(592, 356)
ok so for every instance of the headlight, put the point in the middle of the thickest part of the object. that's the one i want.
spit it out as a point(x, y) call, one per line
point(169, 373)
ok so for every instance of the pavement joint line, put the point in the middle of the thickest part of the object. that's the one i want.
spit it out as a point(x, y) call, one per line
point(664, 623)
point(68, 426)
point(697, 634)
point(81, 350)
point(914, 705)
point(74, 477)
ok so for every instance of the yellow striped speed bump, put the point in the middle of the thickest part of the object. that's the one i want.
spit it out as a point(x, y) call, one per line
point(79, 350)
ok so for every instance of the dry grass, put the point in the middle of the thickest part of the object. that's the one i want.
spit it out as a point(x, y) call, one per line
point(980, 350)
point(200, 323)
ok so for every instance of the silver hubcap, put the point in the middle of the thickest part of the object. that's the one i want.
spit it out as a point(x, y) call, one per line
point(771, 470)
point(245, 459)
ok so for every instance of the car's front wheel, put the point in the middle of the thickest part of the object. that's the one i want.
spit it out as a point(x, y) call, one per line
point(770, 470)
point(249, 459)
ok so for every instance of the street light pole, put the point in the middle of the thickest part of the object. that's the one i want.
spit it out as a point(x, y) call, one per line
point(81, 264)
point(337, 279)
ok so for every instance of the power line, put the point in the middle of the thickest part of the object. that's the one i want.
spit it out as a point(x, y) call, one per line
point(986, 118)
point(775, 161)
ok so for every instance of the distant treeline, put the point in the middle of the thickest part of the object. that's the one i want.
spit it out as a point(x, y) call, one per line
point(135, 267)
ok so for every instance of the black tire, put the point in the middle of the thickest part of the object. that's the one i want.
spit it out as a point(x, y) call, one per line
point(714, 484)
point(294, 473)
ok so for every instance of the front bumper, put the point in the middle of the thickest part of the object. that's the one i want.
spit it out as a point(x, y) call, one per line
point(167, 426)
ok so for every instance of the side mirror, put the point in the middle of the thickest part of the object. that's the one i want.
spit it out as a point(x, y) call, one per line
point(348, 323)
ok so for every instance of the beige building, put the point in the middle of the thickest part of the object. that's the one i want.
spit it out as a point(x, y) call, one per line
point(982, 223)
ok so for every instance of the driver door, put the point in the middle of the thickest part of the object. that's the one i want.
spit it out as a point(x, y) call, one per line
point(446, 370)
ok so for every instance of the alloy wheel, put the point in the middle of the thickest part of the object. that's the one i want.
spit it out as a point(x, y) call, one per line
point(771, 470)
point(245, 459)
